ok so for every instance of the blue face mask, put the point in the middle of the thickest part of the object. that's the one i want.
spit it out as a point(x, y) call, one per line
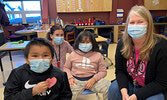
point(39, 65)
point(137, 31)
point(85, 47)
point(58, 40)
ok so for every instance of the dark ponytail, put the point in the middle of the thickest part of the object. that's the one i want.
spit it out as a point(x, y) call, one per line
point(52, 30)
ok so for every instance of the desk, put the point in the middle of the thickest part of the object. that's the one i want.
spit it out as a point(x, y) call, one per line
point(26, 33)
point(160, 24)
point(100, 39)
point(11, 47)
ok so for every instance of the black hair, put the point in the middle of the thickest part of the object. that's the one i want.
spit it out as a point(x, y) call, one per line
point(89, 35)
point(52, 30)
point(39, 42)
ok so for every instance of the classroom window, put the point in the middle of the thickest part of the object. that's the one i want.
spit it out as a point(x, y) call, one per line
point(31, 5)
point(23, 12)
point(15, 18)
point(31, 18)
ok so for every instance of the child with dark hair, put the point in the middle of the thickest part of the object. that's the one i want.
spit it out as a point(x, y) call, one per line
point(62, 47)
point(38, 79)
point(85, 67)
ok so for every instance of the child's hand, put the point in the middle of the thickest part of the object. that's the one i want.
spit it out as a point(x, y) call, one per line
point(133, 97)
point(90, 83)
point(72, 82)
point(124, 93)
point(40, 87)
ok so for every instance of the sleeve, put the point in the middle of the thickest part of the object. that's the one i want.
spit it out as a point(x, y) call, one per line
point(69, 48)
point(160, 82)
point(101, 69)
point(120, 72)
point(68, 66)
point(65, 93)
point(13, 89)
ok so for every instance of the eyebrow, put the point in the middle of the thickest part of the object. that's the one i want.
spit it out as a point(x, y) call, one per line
point(34, 52)
point(47, 52)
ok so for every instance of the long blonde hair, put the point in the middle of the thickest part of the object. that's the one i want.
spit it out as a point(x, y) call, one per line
point(151, 37)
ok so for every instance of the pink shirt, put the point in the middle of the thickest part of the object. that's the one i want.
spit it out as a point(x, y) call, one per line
point(140, 71)
point(65, 47)
point(82, 64)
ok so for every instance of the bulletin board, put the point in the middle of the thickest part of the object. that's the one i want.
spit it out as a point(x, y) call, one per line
point(83, 5)
point(156, 4)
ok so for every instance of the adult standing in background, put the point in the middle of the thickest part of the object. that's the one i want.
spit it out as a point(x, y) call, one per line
point(4, 20)
point(141, 59)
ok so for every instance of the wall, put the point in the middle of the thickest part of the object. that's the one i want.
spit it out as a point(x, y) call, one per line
point(108, 17)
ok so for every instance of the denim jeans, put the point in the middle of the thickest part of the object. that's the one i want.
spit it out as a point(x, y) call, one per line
point(115, 94)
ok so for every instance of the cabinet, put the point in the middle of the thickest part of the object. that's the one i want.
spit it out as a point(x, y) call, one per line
point(156, 4)
point(83, 5)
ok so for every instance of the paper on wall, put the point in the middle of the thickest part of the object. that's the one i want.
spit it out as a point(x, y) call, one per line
point(155, 2)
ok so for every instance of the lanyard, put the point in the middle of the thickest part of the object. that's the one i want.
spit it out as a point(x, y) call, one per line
point(58, 59)
point(136, 68)
point(134, 58)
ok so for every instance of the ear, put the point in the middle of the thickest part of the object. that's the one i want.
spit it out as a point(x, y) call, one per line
point(50, 61)
point(51, 36)
point(27, 62)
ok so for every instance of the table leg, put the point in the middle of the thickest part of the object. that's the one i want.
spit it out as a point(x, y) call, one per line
point(2, 70)
point(96, 31)
point(115, 33)
point(1, 65)
point(11, 59)
point(28, 37)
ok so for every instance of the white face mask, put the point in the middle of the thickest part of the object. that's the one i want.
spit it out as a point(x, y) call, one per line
point(58, 40)
point(85, 47)
point(137, 31)
point(39, 65)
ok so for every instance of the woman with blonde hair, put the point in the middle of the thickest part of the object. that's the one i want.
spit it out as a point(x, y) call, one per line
point(141, 59)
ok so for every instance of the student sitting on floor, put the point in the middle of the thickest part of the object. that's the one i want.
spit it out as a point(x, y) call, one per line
point(38, 79)
point(85, 67)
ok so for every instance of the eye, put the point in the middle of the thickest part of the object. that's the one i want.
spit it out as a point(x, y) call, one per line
point(140, 22)
point(57, 35)
point(131, 22)
point(46, 55)
point(87, 41)
point(34, 55)
point(62, 35)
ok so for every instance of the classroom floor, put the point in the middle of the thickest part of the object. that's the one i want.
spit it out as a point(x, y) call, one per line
point(18, 59)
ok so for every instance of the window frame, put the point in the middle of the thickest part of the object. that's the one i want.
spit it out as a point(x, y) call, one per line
point(23, 12)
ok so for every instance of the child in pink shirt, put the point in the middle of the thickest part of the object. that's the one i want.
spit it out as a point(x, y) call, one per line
point(85, 67)
point(62, 47)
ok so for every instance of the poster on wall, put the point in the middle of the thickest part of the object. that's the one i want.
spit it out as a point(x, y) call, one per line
point(83, 5)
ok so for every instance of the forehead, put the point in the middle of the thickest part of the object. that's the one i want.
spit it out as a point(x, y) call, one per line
point(134, 17)
point(85, 38)
point(58, 32)
point(39, 49)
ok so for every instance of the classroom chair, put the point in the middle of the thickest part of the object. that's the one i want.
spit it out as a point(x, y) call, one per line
point(70, 32)
point(104, 50)
point(9, 32)
point(87, 92)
